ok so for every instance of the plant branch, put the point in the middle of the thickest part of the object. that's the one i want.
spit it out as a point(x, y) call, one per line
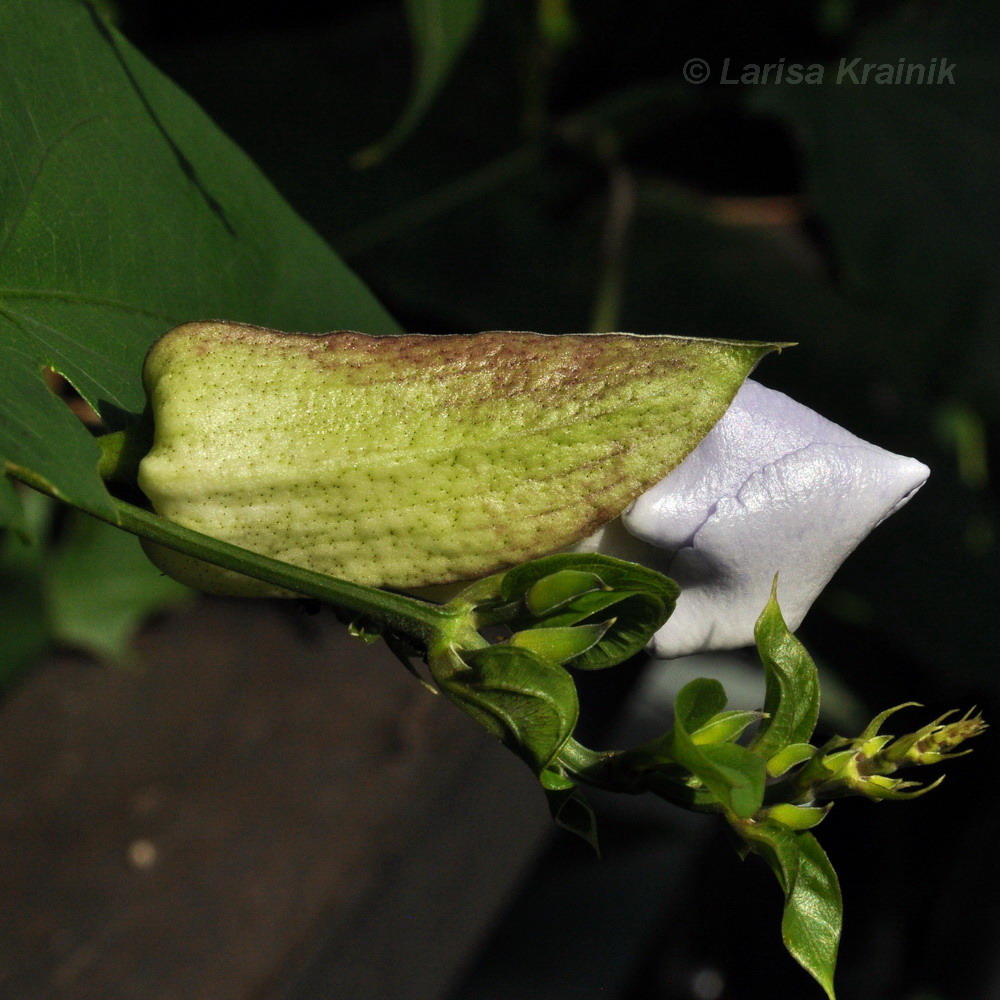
point(601, 770)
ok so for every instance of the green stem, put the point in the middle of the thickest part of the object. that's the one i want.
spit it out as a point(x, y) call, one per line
point(418, 620)
point(600, 770)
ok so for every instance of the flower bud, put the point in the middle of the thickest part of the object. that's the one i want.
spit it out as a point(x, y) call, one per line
point(935, 742)
point(864, 766)
point(773, 488)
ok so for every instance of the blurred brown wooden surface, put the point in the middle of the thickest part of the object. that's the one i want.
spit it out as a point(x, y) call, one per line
point(268, 809)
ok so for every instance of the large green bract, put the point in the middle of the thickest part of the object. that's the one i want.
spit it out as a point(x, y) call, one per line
point(404, 461)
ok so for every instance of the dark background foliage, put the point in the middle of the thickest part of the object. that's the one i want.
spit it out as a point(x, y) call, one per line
point(567, 178)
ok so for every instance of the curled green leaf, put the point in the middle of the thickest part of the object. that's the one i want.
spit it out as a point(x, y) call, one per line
point(440, 30)
point(813, 914)
point(569, 808)
point(611, 573)
point(528, 703)
point(798, 817)
point(630, 600)
point(731, 772)
point(792, 698)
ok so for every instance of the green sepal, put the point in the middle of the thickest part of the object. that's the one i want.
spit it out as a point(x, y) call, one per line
point(793, 755)
point(560, 645)
point(557, 589)
point(879, 721)
point(875, 745)
point(883, 788)
point(837, 761)
point(798, 817)
point(639, 600)
point(613, 573)
point(479, 593)
point(813, 914)
point(732, 773)
point(529, 704)
point(569, 808)
point(792, 696)
point(725, 727)
point(635, 618)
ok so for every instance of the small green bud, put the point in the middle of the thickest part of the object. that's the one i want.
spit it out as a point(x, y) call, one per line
point(865, 766)
point(793, 755)
point(937, 741)
point(797, 817)
point(725, 727)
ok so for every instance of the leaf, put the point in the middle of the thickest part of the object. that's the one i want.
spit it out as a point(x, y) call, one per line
point(528, 704)
point(569, 808)
point(731, 772)
point(124, 211)
point(811, 923)
point(814, 913)
point(798, 817)
point(101, 586)
point(792, 698)
point(637, 617)
point(440, 30)
point(430, 459)
point(697, 703)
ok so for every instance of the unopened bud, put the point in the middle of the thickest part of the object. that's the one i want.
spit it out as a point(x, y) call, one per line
point(935, 742)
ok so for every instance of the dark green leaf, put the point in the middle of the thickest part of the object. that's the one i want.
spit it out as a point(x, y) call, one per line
point(527, 703)
point(813, 914)
point(731, 772)
point(698, 702)
point(810, 926)
point(569, 808)
point(10, 507)
point(792, 698)
point(440, 30)
point(124, 211)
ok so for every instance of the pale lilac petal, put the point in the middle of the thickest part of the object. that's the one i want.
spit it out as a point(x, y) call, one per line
point(774, 487)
